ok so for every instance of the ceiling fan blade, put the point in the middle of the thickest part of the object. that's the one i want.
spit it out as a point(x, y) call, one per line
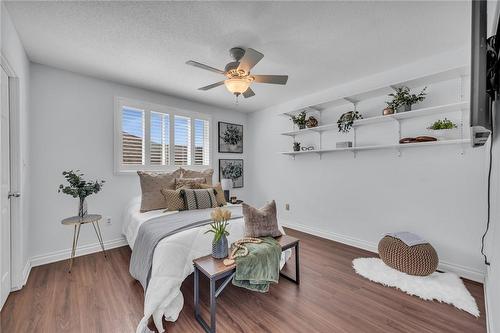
point(273, 79)
point(220, 83)
point(248, 93)
point(250, 59)
point(203, 66)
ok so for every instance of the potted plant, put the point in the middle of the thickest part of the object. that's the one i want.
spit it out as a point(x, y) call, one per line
point(296, 146)
point(443, 129)
point(347, 119)
point(300, 120)
point(220, 218)
point(80, 188)
point(403, 99)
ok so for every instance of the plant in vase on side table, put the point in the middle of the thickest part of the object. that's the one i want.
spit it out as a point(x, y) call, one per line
point(220, 218)
point(80, 188)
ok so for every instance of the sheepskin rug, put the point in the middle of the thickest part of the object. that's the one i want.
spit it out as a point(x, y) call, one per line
point(442, 287)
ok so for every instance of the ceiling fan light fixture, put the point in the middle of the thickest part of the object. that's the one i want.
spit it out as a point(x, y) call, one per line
point(238, 85)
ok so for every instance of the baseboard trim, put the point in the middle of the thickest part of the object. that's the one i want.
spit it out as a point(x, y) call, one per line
point(462, 271)
point(80, 251)
point(24, 278)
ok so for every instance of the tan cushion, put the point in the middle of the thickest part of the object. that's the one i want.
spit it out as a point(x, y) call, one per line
point(151, 185)
point(261, 222)
point(189, 182)
point(174, 199)
point(207, 174)
point(219, 193)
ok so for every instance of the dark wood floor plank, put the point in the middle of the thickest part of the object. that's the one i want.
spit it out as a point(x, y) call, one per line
point(101, 296)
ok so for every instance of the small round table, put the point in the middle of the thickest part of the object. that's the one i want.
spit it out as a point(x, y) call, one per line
point(77, 222)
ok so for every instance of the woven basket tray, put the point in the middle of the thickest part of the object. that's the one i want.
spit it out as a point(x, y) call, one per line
point(418, 260)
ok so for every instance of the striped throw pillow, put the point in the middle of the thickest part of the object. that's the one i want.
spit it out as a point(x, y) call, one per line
point(199, 199)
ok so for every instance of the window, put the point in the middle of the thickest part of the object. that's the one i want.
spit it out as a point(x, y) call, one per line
point(155, 137)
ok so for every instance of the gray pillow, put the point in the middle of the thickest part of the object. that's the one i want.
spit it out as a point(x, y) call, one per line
point(261, 222)
point(199, 198)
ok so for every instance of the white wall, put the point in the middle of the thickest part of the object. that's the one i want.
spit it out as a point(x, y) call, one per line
point(72, 128)
point(433, 191)
point(13, 51)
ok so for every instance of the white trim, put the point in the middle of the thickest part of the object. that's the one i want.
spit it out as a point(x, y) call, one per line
point(24, 277)
point(120, 102)
point(82, 250)
point(462, 271)
point(15, 174)
point(490, 317)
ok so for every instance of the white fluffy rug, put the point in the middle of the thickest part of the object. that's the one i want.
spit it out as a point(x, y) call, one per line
point(442, 287)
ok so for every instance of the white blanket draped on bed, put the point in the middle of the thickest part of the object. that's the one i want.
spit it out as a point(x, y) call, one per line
point(172, 262)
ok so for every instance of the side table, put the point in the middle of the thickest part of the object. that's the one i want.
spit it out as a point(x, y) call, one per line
point(77, 222)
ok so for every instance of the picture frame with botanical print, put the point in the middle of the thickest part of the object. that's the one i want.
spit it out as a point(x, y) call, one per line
point(231, 169)
point(230, 138)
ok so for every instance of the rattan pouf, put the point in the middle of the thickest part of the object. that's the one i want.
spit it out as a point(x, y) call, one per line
point(418, 260)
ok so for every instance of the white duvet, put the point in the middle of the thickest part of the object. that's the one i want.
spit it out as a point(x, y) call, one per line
point(172, 262)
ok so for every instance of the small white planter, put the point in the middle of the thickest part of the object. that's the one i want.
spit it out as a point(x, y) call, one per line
point(445, 134)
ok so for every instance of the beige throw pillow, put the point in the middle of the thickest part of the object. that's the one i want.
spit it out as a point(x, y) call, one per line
point(207, 174)
point(189, 182)
point(151, 185)
point(219, 193)
point(261, 222)
point(174, 199)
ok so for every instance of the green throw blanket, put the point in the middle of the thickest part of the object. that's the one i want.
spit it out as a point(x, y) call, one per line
point(260, 267)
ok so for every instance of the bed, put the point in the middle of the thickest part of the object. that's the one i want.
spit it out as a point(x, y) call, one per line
point(173, 259)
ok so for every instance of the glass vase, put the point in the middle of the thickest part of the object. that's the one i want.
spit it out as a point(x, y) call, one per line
point(82, 207)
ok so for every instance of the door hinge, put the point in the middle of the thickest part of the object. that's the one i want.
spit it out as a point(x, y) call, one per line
point(14, 194)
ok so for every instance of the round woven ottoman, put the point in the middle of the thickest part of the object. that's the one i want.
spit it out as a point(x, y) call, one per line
point(418, 260)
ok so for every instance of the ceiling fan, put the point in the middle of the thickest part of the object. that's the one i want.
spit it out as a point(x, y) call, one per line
point(238, 74)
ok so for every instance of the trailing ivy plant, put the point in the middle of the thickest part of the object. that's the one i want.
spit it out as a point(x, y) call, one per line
point(442, 124)
point(347, 119)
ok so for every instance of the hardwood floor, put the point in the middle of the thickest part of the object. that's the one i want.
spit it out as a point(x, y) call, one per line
point(100, 296)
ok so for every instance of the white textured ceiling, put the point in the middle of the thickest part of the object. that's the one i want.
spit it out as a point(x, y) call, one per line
point(318, 44)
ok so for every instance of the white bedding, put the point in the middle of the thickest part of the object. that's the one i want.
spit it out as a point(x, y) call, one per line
point(172, 261)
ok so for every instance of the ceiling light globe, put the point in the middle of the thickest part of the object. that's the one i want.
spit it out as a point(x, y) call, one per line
point(238, 85)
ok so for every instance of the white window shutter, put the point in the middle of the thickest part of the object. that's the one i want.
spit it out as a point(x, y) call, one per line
point(201, 142)
point(132, 136)
point(182, 140)
point(160, 139)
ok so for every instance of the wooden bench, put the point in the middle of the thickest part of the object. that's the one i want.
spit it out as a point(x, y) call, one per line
point(215, 270)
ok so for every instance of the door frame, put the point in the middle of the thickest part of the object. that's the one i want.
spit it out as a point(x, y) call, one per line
point(19, 274)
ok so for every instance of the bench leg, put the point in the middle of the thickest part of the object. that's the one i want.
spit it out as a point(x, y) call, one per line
point(297, 264)
point(197, 315)
point(196, 293)
point(213, 304)
point(297, 267)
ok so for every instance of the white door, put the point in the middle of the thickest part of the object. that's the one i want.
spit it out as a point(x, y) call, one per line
point(4, 190)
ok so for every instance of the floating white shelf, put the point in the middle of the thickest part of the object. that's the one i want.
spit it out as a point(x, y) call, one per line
point(385, 89)
point(440, 109)
point(397, 146)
